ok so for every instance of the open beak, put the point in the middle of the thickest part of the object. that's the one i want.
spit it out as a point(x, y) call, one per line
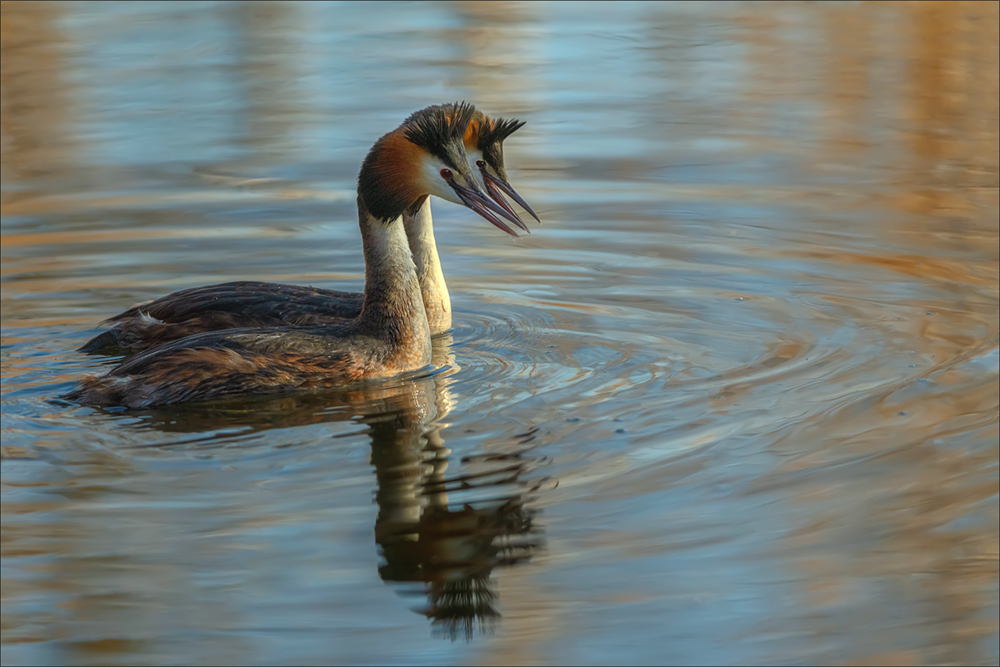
point(485, 207)
point(496, 185)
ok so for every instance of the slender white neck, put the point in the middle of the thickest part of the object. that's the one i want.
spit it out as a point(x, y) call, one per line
point(433, 290)
point(392, 307)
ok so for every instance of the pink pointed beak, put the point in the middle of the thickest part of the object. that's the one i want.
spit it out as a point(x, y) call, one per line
point(496, 185)
point(485, 207)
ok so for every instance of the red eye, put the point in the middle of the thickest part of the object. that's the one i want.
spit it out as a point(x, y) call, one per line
point(446, 174)
point(480, 164)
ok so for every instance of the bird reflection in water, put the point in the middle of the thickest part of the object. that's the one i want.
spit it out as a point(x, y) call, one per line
point(452, 551)
point(444, 534)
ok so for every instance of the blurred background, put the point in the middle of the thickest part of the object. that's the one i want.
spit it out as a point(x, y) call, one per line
point(734, 402)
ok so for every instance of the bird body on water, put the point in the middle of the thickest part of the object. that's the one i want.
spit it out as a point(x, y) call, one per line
point(262, 304)
point(390, 333)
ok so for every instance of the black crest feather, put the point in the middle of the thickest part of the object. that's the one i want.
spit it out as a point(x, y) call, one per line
point(497, 131)
point(490, 142)
point(434, 128)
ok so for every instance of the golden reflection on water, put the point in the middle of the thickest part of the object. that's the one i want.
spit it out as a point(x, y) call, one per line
point(37, 102)
point(778, 483)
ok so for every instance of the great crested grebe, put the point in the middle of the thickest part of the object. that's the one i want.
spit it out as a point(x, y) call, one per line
point(256, 304)
point(423, 156)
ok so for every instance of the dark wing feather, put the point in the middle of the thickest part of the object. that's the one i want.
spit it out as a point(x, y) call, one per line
point(249, 298)
point(224, 306)
point(264, 340)
point(220, 363)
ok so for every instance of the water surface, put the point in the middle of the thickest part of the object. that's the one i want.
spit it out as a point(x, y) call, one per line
point(734, 402)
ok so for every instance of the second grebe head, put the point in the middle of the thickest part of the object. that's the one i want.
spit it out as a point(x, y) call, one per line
point(484, 143)
point(426, 156)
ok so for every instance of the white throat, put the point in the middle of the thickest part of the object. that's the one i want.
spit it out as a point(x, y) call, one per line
point(420, 235)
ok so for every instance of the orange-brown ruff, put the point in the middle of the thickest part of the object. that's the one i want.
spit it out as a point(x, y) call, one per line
point(390, 335)
point(259, 304)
